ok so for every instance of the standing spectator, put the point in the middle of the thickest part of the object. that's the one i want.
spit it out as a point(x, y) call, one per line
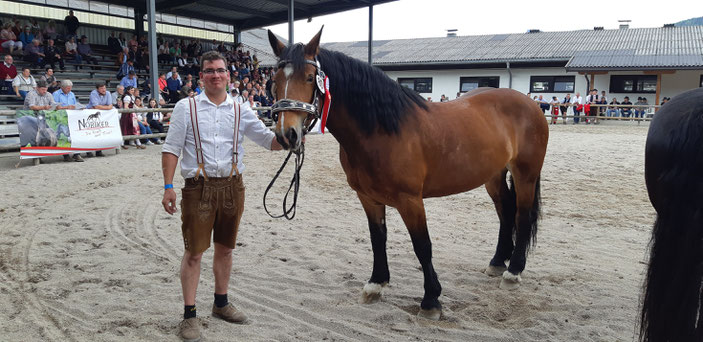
point(100, 98)
point(128, 121)
point(592, 99)
point(566, 103)
point(65, 97)
point(52, 55)
point(71, 23)
point(50, 30)
point(8, 72)
point(555, 109)
point(8, 39)
point(113, 44)
point(24, 83)
point(613, 110)
point(85, 51)
point(643, 110)
point(129, 80)
point(50, 80)
point(626, 111)
point(577, 103)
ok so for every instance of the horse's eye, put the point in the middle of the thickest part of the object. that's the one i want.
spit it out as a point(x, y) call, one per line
point(310, 78)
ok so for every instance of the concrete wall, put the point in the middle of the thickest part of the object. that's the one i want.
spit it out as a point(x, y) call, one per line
point(447, 81)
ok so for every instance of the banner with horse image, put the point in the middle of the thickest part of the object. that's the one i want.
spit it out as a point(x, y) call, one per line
point(57, 132)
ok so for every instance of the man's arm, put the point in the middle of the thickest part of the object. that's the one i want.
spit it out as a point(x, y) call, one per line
point(103, 107)
point(169, 162)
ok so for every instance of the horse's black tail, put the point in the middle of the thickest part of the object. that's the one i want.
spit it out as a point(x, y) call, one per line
point(672, 308)
point(535, 211)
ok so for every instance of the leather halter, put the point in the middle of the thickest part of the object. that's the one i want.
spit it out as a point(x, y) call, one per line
point(314, 109)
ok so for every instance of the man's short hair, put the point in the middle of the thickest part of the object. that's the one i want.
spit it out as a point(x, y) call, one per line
point(41, 84)
point(212, 56)
point(131, 72)
point(25, 68)
point(120, 86)
point(66, 83)
point(99, 84)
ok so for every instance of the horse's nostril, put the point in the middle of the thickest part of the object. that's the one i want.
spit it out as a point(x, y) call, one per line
point(292, 136)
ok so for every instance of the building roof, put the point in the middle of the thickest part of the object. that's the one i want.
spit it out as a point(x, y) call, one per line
point(618, 49)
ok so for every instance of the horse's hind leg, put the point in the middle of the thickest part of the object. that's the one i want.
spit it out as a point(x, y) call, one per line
point(504, 200)
point(527, 202)
point(412, 210)
point(376, 215)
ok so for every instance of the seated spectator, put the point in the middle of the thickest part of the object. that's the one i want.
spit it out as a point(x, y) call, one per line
point(85, 51)
point(199, 89)
point(155, 119)
point(26, 36)
point(8, 39)
point(613, 111)
point(50, 80)
point(71, 50)
point(144, 127)
point(639, 110)
point(543, 104)
point(65, 97)
point(100, 98)
point(52, 55)
point(129, 80)
point(23, 83)
point(602, 101)
point(33, 54)
point(163, 90)
point(133, 43)
point(175, 52)
point(50, 30)
point(173, 84)
point(174, 70)
point(125, 69)
point(117, 95)
point(39, 99)
point(626, 111)
point(8, 72)
point(164, 56)
point(122, 56)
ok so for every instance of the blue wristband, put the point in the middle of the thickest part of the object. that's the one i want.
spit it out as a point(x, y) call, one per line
point(168, 186)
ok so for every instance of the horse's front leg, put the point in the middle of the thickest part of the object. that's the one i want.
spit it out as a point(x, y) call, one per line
point(413, 213)
point(376, 215)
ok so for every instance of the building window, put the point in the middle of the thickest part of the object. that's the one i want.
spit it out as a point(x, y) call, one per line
point(471, 83)
point(633, 84)
point(701, 81)
point(420, 85)
point(552, 84)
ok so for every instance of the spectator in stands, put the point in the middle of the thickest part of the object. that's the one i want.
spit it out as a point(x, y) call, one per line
point(129, 80)
point(173, 84)
point(592, 99)
point(50, 30)
point(199, 88)
point(174, 70)
point(71, 50)
point(144, 127)
point(243, 97)
point(26, 36)
point(164, 56)
point(33, 54)
point(175, 52)
point(128, 97)
point(128, 121)
point(113, 44)
point(100, 98)
point(122, 56)
point(71, 23)
point(125, 69)
point(577, 103)
point(163, 90)
point(39, 99)
point(613, 111)
point(626, 111)
point(543, 104)
point(644, 110)
point(8, 39)
point(132, 44)
point(8, 72)
point(85, 51)
point(23, 83)
point(117, 95)
point(154, 119)
point(50, 80)
point(65, 97)
point(52, 55)
point(602, 101)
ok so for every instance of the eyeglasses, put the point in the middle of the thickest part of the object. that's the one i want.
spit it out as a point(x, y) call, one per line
point(213, 71)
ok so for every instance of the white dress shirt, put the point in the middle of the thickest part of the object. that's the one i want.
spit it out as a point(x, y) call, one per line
point(216, 125)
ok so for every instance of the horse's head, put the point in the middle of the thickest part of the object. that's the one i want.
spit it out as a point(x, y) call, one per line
point(298, 88)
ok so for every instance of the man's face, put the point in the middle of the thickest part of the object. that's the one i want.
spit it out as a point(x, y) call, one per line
point(41, 90)
point(120, 90)
point(8, 60)
point(50, 72)
point(51, 42)
point(25, 72)
point(131, 76)
point(66, 89)
point(102, 90)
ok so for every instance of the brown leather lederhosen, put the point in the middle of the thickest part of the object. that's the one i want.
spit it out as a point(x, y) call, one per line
point(209, 203)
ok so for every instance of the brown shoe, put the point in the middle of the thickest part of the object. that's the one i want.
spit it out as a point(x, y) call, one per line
point(189, 329)
point(229, 313)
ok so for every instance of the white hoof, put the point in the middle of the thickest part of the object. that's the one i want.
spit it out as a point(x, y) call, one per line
point(510, 281)
point(495, 271)
point(371, 293)
point(432, 314)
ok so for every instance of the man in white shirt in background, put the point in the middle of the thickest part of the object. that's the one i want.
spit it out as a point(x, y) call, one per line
point(577, 101)
point(213, 196)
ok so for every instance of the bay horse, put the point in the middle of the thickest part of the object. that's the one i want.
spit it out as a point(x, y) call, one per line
point(672, 305)
point(396, 149)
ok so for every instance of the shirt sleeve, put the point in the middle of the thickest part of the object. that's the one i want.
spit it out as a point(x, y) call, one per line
point(55, 96)
point(176, 135)
point(255, 129)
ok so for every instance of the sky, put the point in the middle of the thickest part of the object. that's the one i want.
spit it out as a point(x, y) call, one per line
point(431, 18)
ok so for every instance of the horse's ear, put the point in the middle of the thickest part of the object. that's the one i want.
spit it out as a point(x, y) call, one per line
point(313, 47)
point(276, 44)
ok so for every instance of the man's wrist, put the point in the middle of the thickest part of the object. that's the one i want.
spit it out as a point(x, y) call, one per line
point(168, 186)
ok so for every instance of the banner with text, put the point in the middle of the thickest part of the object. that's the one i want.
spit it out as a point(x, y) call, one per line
point(57, 132)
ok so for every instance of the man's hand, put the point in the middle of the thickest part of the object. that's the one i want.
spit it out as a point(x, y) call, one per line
point(169, 201)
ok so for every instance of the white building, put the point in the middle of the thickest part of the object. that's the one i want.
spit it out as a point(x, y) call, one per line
point(647, 62)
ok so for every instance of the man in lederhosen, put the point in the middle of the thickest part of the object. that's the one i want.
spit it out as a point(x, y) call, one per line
point(203, 130)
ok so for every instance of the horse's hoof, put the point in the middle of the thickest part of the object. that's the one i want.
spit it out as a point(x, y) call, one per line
point(431, 314)
point(494, 271)
point(510, 281)
point(371, 293)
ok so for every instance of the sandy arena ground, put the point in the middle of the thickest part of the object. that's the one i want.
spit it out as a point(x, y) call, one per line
point(88, 254)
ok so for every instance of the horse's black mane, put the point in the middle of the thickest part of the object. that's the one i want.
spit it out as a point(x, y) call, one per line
point(371, 97)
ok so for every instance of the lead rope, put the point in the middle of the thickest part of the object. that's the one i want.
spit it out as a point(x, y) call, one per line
point(294, 184)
